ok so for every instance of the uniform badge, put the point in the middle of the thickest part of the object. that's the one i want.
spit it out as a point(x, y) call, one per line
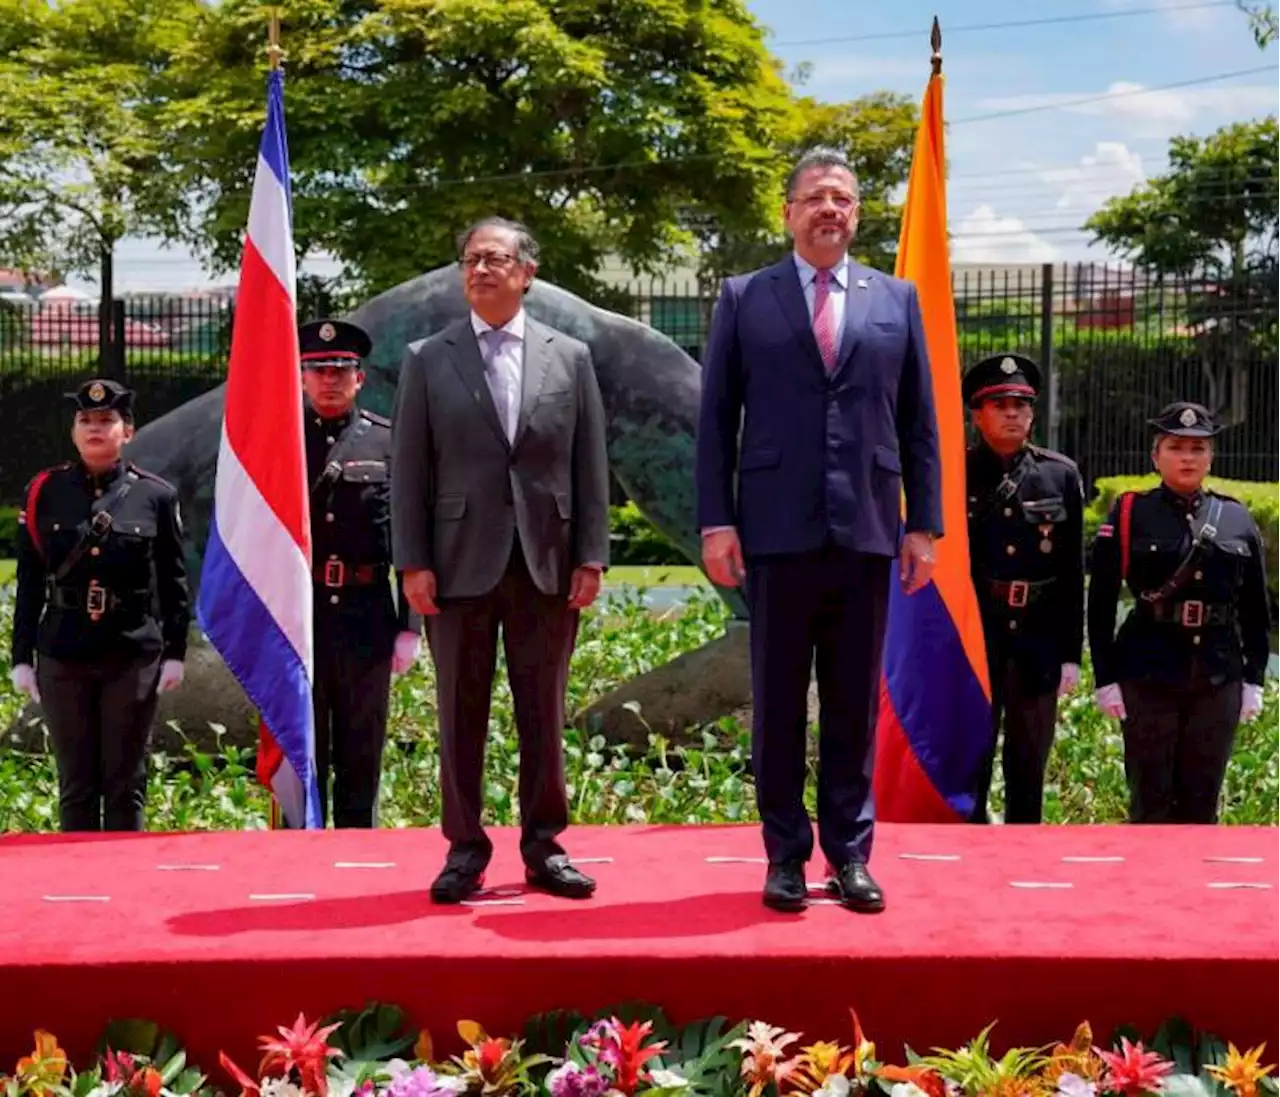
point(328, 332)
point(96, 392)
point(1187, 418)
point(1008, 366)
point(1106, 530)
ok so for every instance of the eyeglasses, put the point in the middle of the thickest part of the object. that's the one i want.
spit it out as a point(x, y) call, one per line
point(495, 260)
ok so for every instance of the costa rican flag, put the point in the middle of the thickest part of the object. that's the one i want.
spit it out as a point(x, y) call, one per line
point(255, 587)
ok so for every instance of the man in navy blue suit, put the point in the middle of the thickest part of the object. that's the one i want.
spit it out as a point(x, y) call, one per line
point(817, 407)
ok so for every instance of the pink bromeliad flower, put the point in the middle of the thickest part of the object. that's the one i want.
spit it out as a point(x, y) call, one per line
point(1133, 1070)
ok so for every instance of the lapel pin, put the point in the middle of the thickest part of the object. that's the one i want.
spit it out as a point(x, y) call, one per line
point(862, 283)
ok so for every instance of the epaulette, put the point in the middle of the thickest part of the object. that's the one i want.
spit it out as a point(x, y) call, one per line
point(374, 418)
point(145, 475)
point(1224, 495)
point(1054, 455)
point(61, 466)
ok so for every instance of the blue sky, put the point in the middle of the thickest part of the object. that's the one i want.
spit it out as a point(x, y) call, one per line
point(1020, 184)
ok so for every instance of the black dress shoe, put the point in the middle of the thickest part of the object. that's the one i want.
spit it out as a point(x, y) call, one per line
point(784, 887)
point(557, 876)
point(856, 889)
point(455, 883)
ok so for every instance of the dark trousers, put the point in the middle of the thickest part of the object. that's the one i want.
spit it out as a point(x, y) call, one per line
point(538, 636)
point(350, 697)
point(827, 608)
point(1029, 718)
point(99, 718)
point(1177, 742)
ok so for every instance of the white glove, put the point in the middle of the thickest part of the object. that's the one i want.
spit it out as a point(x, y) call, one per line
point(23, 677)
point(1111, 701)
point(408, 645)
point(1250, 702)
point(170, 675)
point(1070, 678)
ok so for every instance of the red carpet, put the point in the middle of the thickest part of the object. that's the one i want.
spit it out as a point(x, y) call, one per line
point(223, 936)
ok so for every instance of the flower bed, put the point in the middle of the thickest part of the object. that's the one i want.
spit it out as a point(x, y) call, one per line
point(635, 1052)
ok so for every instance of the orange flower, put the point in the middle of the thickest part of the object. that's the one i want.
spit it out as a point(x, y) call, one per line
point(45, 1067)
point(924, 1078)
point(1241, 1073)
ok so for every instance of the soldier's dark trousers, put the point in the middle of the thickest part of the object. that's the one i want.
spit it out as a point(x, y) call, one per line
point(350, 699)
point(1028, 718)
point(1177, 742)
point(99, 718)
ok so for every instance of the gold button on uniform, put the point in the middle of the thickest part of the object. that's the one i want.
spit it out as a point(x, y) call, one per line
point(333, 598)
point(1199, 574)
point(1008, 512)
point(1010, 550)
point(95, 551)
point(329, 517)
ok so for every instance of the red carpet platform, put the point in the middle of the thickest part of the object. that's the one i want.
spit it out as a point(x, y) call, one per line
point(223, 936)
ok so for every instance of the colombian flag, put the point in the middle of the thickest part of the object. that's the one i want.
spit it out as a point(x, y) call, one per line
point(935, 695)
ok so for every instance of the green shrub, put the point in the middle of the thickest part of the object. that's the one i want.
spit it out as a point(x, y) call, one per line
point(635, 541)
point(8, 532)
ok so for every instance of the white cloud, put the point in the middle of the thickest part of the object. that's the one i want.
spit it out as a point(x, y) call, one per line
point(1109, 170)
point(1180, 15)
point(1150, 110)
point(984, 237)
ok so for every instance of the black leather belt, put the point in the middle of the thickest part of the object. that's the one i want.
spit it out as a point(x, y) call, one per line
point(94, 599)
point(1018, 593)
point(338, 573)
point(1189, 613)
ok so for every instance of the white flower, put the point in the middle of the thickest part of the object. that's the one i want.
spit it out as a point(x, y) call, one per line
point(1072, 1085)
point(668, 1079)
point(836, 1085)
point(105, 1089)
point(906, 1089)
point(281, 1087)
point(453, 1082)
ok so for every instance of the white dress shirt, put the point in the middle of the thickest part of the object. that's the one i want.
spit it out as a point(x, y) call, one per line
point(505, 373)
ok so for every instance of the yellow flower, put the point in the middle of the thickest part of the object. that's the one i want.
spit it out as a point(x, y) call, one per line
point(1241, 1073)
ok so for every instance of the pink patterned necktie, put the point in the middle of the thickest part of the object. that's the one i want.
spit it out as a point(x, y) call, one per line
point(824, 318)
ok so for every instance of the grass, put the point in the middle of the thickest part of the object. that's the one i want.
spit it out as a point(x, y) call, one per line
point(707, 781)
point(7, 570)
point(656, 575)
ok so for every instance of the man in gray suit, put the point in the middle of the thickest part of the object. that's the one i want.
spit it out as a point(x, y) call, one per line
point(500, 517)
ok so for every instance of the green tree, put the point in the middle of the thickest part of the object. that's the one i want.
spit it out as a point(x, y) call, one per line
point(79, 145)
point(876, 132)
point(1262, 21)
point(1213, 216)
point(600, 123)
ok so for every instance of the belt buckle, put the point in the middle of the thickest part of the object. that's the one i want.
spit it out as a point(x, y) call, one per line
point(1192, 614)
point(334, 573)
point(95, 600)
point(1019, 590)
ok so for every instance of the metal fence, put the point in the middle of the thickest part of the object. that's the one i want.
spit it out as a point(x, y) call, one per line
point(1115, 345)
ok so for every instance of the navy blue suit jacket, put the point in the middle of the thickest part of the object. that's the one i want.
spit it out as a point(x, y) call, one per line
point(821, 453)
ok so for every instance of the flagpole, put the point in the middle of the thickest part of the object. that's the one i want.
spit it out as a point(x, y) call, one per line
point(275, 54)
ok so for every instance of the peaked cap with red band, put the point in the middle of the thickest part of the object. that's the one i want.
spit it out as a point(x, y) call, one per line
point(324, 343)
point(1001, 375)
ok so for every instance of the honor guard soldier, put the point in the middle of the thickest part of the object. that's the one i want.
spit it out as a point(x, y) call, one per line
point(1189, 660)
point(101, 613)
point(1026, 545)
point(362, 632)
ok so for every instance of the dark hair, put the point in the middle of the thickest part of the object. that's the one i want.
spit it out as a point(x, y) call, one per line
point(526, 245)
point(821, 156)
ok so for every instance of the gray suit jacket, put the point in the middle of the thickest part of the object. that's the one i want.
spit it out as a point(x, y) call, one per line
point(460, 492)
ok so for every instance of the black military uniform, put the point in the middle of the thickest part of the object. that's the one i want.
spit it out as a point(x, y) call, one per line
point(1026, 546)
point(102, 603)
point(356, 617)
point(1198, 630)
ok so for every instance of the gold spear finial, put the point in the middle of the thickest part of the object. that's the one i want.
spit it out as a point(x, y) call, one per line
point(274, 53)
point(935, 40)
